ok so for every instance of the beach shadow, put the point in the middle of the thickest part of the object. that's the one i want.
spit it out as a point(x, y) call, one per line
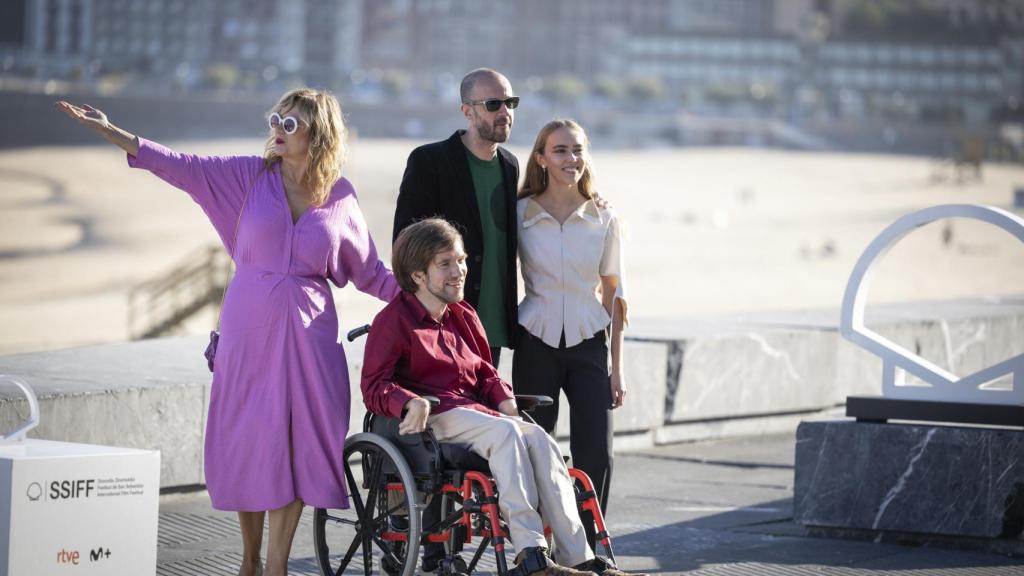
point(55, 194)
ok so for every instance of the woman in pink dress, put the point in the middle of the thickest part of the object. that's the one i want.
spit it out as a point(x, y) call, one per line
point(279, 406)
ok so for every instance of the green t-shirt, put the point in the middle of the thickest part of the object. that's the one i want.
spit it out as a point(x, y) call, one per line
point(491, 198)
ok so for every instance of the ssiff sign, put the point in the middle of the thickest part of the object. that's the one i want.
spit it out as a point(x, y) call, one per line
point(70, 509)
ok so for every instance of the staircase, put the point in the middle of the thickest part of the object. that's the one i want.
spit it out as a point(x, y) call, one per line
point(159, 306)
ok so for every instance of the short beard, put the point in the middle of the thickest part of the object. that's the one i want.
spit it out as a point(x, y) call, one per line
point(440, 295)
point(489, 133)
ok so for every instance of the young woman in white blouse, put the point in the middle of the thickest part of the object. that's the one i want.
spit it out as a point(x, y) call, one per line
point(570, 251)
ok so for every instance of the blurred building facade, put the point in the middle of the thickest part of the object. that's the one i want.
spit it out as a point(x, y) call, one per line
point(956, 63)
point(160, 45)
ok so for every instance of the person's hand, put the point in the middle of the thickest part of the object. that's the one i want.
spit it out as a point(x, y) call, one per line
point(508, 407)
point(601, 201)
point(618, 384)
point(415, 421)
point(85, 115)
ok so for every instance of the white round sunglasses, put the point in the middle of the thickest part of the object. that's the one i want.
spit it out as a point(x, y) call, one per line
point(290, 124)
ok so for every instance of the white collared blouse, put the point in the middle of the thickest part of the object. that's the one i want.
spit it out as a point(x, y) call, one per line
point(562, 266)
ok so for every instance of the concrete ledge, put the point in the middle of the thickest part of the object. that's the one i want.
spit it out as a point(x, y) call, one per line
point(688, 379)
point(151, 394)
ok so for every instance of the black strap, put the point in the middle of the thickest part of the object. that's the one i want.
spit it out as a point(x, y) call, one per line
point(533, 560)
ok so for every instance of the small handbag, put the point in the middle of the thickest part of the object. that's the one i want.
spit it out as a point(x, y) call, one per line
point(211, 349)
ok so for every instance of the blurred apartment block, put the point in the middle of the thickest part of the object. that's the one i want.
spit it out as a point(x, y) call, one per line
point(838, 69)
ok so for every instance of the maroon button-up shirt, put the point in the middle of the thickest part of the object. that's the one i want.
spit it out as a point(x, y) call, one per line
point(409, 354)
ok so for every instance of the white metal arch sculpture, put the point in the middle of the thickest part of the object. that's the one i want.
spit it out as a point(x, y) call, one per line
point(944, 386)
point(20, 431)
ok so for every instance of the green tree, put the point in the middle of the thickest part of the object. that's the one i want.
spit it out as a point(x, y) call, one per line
point(222, 76)
point(396, 83)
point(608, 87)
point(564, 88)
point(645, 89)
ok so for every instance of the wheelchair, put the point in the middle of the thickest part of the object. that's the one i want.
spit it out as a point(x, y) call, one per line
point(392, 477)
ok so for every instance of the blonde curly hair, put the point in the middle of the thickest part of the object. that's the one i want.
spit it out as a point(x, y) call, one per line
point(321, 111)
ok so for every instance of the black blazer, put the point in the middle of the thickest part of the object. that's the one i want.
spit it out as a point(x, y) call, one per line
point(437, 182)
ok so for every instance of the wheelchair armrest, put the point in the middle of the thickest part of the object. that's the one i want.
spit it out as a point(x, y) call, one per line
point(527, 402)
point(433, 400)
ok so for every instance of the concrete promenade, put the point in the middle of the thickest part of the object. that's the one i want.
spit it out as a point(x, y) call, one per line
point(717, 508)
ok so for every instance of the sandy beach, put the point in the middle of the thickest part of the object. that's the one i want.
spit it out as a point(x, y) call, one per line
point(709, 231)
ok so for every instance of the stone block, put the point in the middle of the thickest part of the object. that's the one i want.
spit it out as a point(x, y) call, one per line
point(151, 394)
point(760, 371)
point(945, 480)
point(858, 372)
point(961, 345)
point(643, 366)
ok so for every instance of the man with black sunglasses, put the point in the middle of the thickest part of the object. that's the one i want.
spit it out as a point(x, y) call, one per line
point(470, 181)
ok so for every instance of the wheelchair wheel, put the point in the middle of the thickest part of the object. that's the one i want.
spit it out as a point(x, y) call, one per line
point(382, 524)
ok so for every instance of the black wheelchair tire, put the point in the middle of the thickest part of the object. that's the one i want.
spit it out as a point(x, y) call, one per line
point(396, 558)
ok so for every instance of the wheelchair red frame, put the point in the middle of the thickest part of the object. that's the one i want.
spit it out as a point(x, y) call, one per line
point(398, 473)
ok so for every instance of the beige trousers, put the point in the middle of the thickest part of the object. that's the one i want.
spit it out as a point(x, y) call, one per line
point(531, 476)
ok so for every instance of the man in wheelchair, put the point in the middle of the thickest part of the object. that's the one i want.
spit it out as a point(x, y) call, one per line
point(427, 341)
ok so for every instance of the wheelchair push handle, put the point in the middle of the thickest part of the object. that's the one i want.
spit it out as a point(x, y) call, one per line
point(527, 402)
point(357, 332)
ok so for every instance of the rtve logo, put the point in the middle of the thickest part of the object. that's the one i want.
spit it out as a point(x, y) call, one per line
point(73, 557)
point(68, 557)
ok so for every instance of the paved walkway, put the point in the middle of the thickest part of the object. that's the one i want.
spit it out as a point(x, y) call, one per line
point(712, 509)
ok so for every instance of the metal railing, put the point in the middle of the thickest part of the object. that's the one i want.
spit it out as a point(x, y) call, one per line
point(157, 307)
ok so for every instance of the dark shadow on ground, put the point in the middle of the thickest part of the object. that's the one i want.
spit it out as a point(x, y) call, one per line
point(735, 538)
point(727, 463)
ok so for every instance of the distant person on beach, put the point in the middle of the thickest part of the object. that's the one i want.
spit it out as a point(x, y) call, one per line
point(570, 250)
point(279, 405)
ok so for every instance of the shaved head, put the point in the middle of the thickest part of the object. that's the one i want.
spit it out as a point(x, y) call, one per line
point(470, 79)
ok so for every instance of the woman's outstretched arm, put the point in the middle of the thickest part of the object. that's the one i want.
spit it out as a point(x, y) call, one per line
point(96, 120)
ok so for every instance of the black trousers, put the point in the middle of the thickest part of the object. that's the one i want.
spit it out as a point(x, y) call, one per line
point(581, 371)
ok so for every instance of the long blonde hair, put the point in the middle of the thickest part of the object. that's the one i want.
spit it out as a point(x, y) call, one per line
point(320, 111)
point(537, 178)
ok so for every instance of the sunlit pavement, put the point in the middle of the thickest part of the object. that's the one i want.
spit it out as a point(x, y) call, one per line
point(709, 508)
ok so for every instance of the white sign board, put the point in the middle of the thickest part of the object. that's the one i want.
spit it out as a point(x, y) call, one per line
point(77, 509)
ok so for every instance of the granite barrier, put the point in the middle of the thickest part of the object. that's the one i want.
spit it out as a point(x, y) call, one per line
point(910, 478)
point(688, 379)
